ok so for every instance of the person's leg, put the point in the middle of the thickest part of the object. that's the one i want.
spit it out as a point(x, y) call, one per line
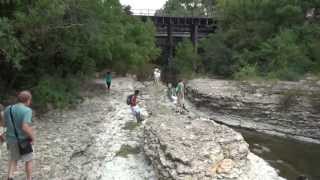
point(178, 104)
point(137, 113)
point(12, 168)
point(138, 117)
point(29, 170)
point(109, 84)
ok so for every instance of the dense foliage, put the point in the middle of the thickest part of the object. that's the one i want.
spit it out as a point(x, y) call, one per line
point(46, 44)
point(182, 8)
point(265, 38)
point(273, 39)
point(186, 61)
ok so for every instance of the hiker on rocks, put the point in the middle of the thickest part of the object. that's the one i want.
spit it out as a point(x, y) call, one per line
point(172, 93)
point(134, 106)
point(108, 80)
point(157, 76)
point(19, 134)
point(180, 96)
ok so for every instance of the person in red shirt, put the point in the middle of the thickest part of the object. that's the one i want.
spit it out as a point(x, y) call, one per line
point(134, 107)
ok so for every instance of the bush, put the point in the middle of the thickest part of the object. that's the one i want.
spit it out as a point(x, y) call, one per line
point(247, 72)
point(59, 93)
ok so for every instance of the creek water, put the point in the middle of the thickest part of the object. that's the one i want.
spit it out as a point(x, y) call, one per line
point(292, 158)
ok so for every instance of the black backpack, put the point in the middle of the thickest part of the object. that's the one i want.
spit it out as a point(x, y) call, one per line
point(129, 99)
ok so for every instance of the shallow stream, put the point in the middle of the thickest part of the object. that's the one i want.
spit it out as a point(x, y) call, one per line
point(292, 158)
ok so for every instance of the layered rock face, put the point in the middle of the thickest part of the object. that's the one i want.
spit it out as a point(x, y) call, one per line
point(183, 148)
point(283, 108)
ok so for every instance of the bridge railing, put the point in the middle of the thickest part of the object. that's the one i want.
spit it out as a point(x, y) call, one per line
point(152, 12)
point(143, 12)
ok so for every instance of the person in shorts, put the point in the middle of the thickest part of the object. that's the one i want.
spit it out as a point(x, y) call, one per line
point(134, 106)
point(22, 116)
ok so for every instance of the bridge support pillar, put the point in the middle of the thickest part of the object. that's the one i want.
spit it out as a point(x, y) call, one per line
point(170, 43)
point(194, 36)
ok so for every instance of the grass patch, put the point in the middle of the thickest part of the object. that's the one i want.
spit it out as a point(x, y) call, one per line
point(130, 125)
point(125, 150)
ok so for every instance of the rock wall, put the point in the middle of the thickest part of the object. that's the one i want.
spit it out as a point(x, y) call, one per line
point(283, 108)
point(183, 148)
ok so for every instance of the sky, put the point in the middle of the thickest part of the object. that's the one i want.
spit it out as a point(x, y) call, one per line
point(144, 4)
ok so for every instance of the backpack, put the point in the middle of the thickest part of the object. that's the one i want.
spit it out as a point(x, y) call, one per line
point(129, 99)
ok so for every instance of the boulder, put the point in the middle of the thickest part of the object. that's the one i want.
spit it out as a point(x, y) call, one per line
point(184, 149)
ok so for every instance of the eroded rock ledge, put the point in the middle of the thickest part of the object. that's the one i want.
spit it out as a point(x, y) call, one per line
point(183, 148)
point(283, 108)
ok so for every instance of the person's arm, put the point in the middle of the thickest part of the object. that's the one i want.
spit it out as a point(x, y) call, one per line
point(26, 128)
point(2, 138)
point(2, 119)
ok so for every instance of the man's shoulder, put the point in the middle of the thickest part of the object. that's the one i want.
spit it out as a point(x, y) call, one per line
point(23, 109)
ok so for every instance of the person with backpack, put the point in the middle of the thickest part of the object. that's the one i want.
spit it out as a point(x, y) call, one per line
point(19, 134)
point(108, 79)
point(132, 101)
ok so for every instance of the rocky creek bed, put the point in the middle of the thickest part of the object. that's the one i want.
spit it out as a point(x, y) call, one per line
point(100, 140)
point(290, 109)
point(293, 144)
point(90, 141)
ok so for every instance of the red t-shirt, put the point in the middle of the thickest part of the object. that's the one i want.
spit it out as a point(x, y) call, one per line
point(133, 101)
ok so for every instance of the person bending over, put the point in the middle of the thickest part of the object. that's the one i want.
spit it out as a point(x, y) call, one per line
point(134, 106)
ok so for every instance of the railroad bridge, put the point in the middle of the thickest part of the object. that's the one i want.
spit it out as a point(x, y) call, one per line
point(170, 30)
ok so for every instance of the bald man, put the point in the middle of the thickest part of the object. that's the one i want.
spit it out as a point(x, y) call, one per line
point(22, 116)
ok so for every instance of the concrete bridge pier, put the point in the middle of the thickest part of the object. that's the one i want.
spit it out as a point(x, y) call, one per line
point(170, 42)
point(194, 36)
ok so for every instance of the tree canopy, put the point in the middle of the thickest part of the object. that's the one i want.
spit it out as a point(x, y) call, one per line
point(266, 38)
point(68, 39)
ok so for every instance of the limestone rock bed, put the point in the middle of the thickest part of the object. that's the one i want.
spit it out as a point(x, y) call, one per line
point(82, 143)
point(282, 108)
point(189, 146)
point(85, 142)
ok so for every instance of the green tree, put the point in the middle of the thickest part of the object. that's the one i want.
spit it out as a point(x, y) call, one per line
point(273, 39)
point(58, 41)
point(186, 60)
point(188, 8)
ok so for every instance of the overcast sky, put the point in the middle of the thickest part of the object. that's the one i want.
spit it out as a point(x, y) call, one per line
point(144, 4)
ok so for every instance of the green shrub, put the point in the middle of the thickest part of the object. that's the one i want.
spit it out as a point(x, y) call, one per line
point(247, 72)
point(56, 91)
